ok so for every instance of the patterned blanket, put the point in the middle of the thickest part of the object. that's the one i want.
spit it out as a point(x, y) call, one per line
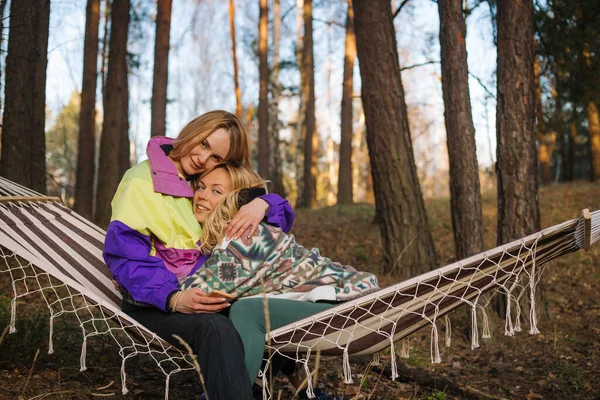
point(285, 266)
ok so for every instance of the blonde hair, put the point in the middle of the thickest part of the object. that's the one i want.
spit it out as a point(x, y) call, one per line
point(241, 178)
point(198, 129)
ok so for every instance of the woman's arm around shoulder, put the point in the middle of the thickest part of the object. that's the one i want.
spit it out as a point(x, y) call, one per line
point(280, 213)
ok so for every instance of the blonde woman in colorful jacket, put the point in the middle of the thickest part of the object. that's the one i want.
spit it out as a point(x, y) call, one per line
point(151, 245)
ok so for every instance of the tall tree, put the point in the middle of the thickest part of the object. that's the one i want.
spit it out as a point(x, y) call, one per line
point(263, 97)
point(518, 203)
point(104, 51)
point(544, 152)
point(406, 237)
point(161, 68)
point(2, 34)
point(301, 104)
point(86, 148)
point(236, 80)
point(275, 174)
point(309, 136)
point(594, 128)
point(465, 196)
point(114, 143)
point(62, 139)
point(345, 182)
point(23, 143)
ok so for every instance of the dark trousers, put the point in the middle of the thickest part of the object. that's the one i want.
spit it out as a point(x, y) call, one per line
point(214, 340)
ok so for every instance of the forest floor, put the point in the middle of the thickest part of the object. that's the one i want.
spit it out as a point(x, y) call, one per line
point(563, 362)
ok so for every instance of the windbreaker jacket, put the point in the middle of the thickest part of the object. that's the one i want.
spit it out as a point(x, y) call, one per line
point(151, 240)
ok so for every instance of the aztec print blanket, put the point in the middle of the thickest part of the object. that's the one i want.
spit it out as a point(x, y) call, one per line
point(275, 258)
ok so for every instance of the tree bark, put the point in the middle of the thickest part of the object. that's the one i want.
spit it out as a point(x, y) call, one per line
point(161, 68)
point(86, 153)
point(275, 176)
point(406, 237)
point(104, 51)
point(594, 128)
point(263, 97)
point(345, 182)
point(2, 34)
point(23, 139)
point(570, 163)
point(301, 106)
point(310, 138)
point(518, 203)
point(465, 195)
point(236, 81)
point(114, 143)
point(562, 136)
point(544, 137)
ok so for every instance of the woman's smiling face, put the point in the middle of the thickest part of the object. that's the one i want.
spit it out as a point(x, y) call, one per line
point(207, 154)
point(212, 188)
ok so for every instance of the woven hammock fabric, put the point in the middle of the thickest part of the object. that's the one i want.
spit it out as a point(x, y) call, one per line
point(50, 250)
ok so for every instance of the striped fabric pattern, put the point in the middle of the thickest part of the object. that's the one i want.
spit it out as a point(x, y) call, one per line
point(52, 251)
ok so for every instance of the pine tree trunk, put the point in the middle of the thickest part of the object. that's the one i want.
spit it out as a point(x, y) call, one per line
point(104, 51)
point(570, 151)
point(275, 177)
point(2, 35)
point(23, 138)
point(86, 154)
point(263, 97)
point(406, 238)
point(236, 80)
point(345, 183)
point(465, 196)
point(544, 152)
point(310, 138)
point(301, 106)
point(516, 154)
point(594, 128)
point(161, 68)
point(114, 143)
point(562, 136)
point(518, 204)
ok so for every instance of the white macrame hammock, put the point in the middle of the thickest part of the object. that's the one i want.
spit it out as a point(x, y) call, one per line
point(49, 250)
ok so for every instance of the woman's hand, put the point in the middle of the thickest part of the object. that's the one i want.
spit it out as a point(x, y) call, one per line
point(247, 219)
point(194, 300)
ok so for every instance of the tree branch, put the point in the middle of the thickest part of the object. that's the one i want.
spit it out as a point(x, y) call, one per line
point(419, 65)
point(286, 12)
point(330, 22)
point(400, 7)
point(492, 95)
point(470, 74)
point(468, 12)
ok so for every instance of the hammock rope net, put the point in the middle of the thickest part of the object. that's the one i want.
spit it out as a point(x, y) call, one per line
point(49, 250)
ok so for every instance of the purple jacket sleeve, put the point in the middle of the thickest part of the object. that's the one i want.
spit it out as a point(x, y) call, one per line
point(280, 212)
point(127, 254)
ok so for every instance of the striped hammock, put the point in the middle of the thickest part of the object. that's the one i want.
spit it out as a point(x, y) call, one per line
point(51, 251)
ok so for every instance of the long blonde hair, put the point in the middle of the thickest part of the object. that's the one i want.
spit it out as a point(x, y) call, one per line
point(242, 178)
point(203, 126)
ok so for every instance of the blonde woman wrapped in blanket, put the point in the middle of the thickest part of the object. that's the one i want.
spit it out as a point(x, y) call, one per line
point(270, 261)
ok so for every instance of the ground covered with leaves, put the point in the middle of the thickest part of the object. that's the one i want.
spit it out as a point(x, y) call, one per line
point(563, 362)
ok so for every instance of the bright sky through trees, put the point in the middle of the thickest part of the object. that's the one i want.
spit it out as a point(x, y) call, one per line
point(200, 70)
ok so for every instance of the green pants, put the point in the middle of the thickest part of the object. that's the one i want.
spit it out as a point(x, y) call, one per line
point(248, 317)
